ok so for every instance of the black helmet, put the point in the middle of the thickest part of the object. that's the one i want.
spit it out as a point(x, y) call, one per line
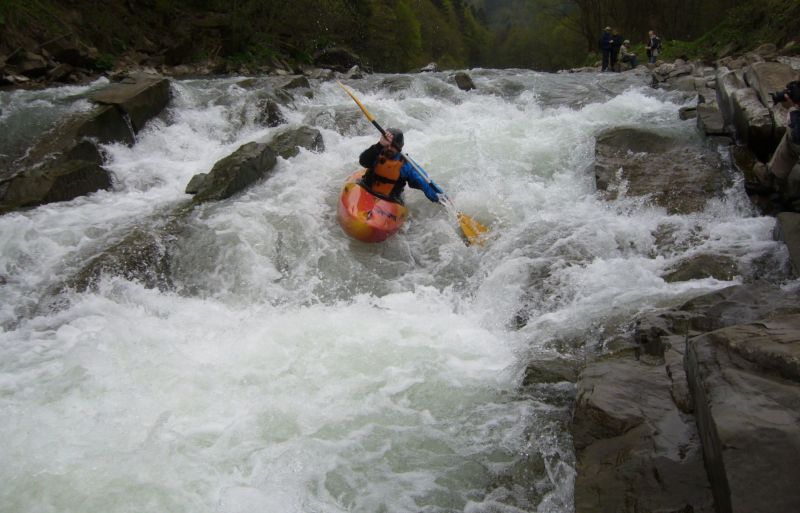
point(398, 137)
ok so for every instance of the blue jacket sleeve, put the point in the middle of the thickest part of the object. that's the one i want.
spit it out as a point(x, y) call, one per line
point(415, 181)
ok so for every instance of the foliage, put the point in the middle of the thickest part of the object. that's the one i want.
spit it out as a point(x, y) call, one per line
point(397, 35)
point(105, 62)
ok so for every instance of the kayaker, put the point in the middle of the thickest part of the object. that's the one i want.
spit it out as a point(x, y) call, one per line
point(388, 171)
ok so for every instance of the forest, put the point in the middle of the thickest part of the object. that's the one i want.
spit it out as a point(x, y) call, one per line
point(396, 35)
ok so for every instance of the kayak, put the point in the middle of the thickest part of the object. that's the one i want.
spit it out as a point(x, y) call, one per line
point(367, 217)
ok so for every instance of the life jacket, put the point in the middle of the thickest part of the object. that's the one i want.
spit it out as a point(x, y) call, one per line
point(383, 179)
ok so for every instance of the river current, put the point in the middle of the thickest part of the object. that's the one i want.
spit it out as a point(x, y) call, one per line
point(292, 369)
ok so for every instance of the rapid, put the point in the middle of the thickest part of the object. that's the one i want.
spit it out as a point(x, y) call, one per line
point(292, 369)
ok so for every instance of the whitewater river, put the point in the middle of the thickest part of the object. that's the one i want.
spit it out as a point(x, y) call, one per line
point(292, 369)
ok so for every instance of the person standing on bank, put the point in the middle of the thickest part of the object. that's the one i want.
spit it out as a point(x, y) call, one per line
point(787, 154)
point(653, 47)
point(388, 171)
point(605, 48)
point(616, 43)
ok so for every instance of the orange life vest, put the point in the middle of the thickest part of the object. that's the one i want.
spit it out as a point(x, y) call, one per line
point(384, 178)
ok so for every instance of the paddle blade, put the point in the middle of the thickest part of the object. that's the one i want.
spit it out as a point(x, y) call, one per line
point(473, 231)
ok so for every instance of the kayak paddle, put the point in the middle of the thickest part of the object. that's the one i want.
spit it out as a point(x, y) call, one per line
point(474, 232)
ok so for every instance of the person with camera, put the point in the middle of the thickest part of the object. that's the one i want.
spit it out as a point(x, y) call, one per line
point(788, 151)
point(653, 47)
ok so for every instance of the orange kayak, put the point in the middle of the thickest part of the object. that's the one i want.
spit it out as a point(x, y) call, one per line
point(366, 217)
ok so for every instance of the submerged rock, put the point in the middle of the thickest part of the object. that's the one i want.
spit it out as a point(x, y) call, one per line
point(141, 256)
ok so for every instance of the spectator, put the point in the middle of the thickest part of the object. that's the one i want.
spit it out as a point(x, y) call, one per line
point(616, 44)
point(605, 48)
point(653, 47)
point(626, 56)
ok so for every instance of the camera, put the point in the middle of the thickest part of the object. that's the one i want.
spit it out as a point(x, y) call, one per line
point(791, 92)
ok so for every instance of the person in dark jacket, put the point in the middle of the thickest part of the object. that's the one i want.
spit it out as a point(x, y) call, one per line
point(616, 43)
point(653, 47)
point(605, 48)
point(388, 171)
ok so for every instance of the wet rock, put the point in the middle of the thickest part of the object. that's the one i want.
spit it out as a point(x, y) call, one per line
point(140, 96)
point(787, 229)
point(733, 305)
point(709, 119)
point(269, 113)
point(250, 163)
point(702, 266)
point(141, 256)
point(745, 381)
point(429, 68)
point(464, 81)
point(636, 450)
point(287, 144)
point(195, 184)
point(295, 85)
point(61, 180)
point(551, 370)
point(677, 176)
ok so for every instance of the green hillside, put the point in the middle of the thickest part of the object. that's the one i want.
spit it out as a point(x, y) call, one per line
point(389, 35)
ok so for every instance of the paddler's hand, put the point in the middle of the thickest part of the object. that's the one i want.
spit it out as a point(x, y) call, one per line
point(386, 139)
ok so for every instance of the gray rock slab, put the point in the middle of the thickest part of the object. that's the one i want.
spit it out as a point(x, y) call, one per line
point(140, 96)
point(746, 387)
point(754, 123)
point(248, 164)
point(636, 450)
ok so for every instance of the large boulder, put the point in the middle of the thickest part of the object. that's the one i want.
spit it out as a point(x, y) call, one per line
point(464, 81)
point(140, 96)
point(745, 381)
point(250, 163)
point(287, 144)
point(754, 123)
point(677, 176)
